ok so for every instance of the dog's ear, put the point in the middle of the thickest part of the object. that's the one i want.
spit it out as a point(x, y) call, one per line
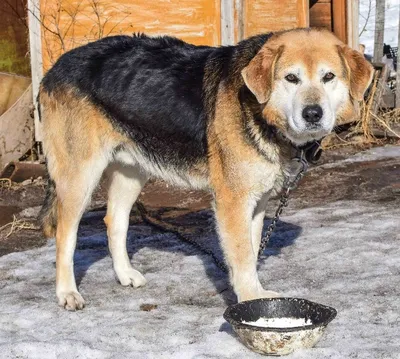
point(258, 75)
point(359, 71)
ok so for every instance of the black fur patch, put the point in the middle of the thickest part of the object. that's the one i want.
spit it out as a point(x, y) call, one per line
point(160, 91)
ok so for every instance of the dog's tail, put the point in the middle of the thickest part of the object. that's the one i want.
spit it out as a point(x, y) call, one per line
point(48, 213)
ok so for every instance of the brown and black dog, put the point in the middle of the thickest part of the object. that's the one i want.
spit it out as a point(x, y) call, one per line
point(224, 118)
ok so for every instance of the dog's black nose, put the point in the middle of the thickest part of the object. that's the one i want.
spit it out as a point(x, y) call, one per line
point(312, 113)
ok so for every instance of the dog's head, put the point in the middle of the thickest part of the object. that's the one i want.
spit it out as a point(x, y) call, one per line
point(307, 79)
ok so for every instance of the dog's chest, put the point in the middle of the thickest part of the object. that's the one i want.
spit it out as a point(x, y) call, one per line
point(263, 177)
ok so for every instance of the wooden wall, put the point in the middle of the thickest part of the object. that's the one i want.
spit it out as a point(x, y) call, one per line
point(321, 14)
point(260, 16)
point(14, 46)
point(330, 14)
point(70, 23)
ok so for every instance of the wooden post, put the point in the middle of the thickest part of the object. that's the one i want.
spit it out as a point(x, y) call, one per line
point(35, 44)
point(339, 19)
point(379, 30)
point(239, 20)
point(353, 40)
point(227, 22)
point(398, 69)
point(303, 13)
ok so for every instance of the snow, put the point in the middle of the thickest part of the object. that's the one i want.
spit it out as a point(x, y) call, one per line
point(279, 322)
point(391, 24)
point(343, 254)
point(373, 154)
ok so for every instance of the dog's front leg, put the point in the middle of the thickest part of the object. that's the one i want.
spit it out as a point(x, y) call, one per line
point(234, 214)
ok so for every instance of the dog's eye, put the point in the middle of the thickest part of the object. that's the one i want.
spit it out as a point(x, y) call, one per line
point(292, 78)
point(329, 76)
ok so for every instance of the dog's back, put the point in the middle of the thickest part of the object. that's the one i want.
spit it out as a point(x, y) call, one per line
point(149, 88)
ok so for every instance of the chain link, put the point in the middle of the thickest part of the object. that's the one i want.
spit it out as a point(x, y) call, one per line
point(289, 185)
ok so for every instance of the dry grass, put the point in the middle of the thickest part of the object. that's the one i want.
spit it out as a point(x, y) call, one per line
point(15, 226)
point(7, 183)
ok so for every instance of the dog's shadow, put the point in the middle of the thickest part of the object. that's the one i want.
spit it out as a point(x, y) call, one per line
point(92, 246)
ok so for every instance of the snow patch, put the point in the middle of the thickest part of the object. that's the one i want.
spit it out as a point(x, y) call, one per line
point(279, 322)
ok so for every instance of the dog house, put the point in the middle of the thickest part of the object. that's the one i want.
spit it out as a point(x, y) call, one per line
point(59, 25)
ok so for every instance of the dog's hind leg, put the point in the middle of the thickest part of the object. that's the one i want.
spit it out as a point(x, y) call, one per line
point(74, 186)
point(125, 185)
point(79, 143)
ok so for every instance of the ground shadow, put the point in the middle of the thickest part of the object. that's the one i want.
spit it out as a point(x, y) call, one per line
point(92, 244)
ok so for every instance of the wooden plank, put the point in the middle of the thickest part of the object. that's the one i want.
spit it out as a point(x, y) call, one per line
point(339, 19)
point(303, 13)
point(14, 43)
point(238, 21)
point(11, 89)
point(321, 15)
point(227, 22)
point(35, 44)
point(16, 130)
point(195, 21)
point(353, 40)
point(262, 16)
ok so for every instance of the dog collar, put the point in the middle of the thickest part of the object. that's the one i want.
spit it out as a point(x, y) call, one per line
point(311, 152)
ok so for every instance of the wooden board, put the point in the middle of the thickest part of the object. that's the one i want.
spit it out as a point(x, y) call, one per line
point(321, 14)
point(70, 23)
point(339, 19)
point(261, 16)
point(16, 129)
point(14, 44)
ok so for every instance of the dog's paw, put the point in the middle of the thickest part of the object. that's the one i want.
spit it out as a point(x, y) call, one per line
point(71, 300)
point(131, 277)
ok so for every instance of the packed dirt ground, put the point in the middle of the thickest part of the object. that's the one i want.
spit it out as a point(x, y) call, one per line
point(376, 180)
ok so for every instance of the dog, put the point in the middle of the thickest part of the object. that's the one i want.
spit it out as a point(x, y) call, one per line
point(222, 118)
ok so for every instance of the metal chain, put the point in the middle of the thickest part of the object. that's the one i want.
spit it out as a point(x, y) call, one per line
point(289, 185)
point(165, 227)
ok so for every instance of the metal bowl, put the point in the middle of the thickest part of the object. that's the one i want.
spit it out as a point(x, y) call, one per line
point(282, 340)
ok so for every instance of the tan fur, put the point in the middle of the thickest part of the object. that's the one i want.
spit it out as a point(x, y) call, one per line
point(79, 145)
point(359, 72)
point(238, 179)
point(85, 124)
point(310, 49)
point(77, 140)
point(259, 74)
